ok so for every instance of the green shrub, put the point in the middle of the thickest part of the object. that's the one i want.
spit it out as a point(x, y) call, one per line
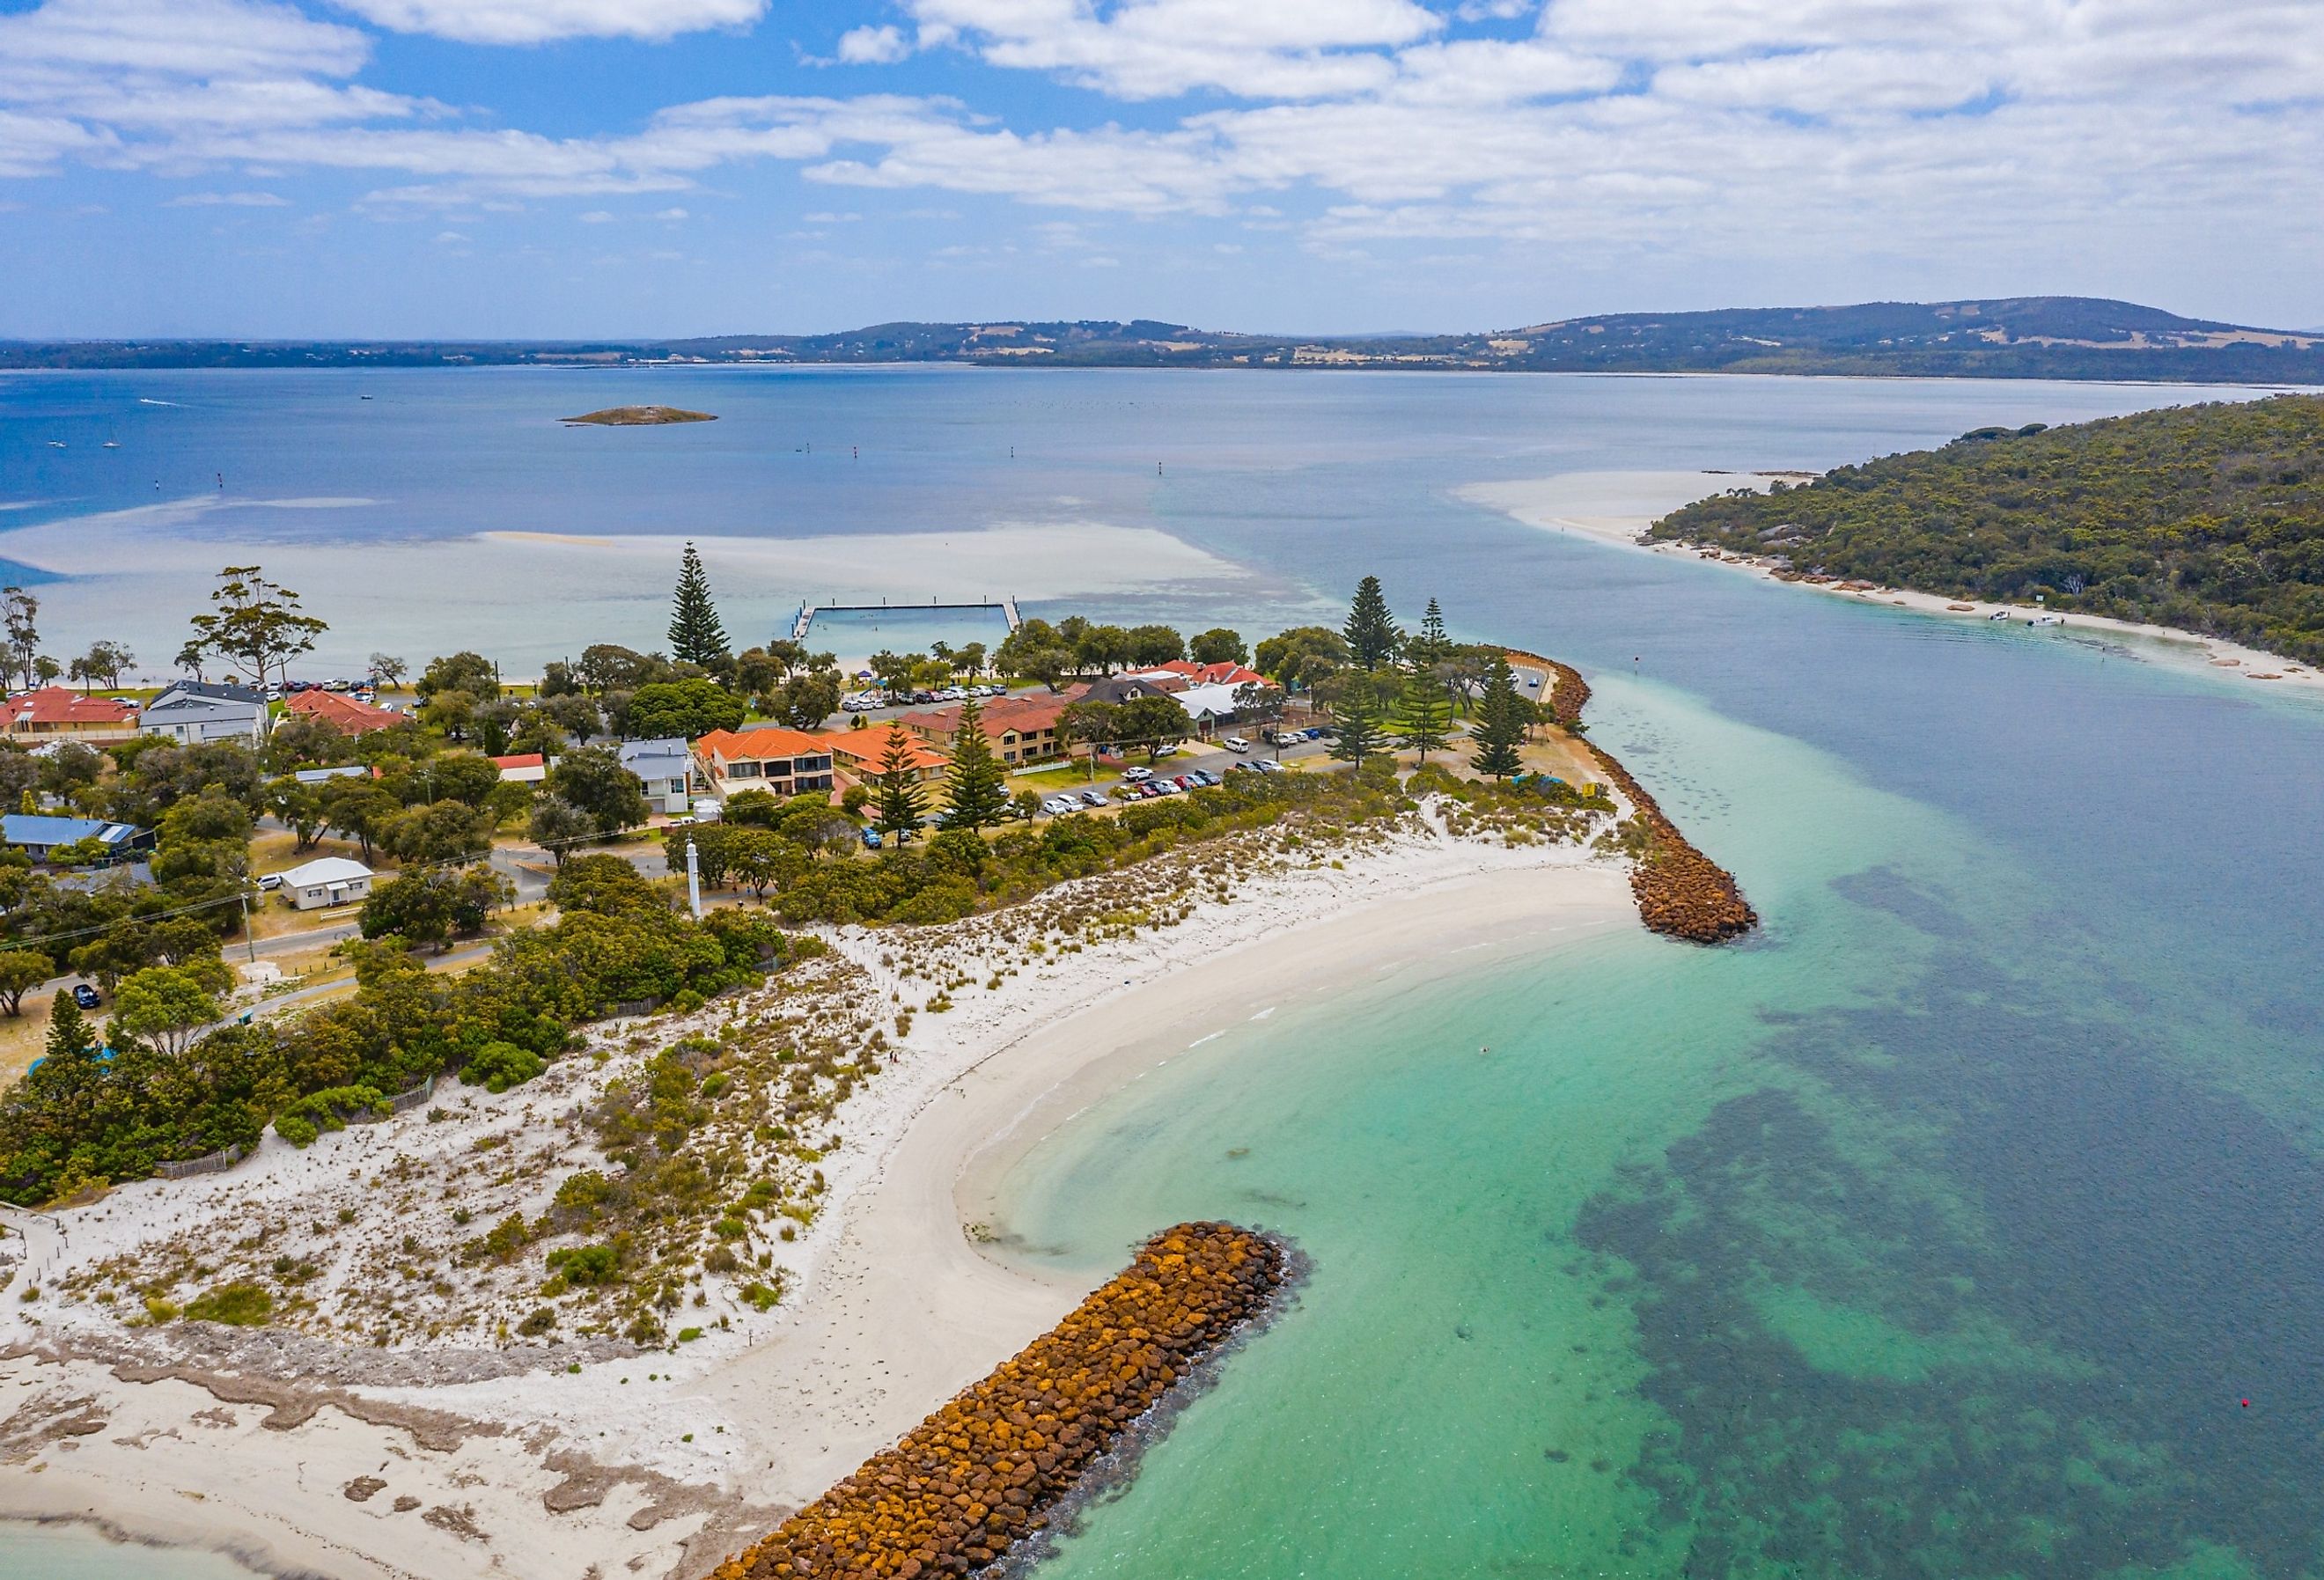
point(498, 1066)
point(586, 1265)
point(234, 1304)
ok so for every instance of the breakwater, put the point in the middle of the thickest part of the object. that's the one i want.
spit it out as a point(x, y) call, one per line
point(979, 1477)
point(1681, 893)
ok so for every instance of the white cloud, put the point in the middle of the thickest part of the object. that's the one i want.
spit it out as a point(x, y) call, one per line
point(874, 46)
point(1153, 49)
point(670, 214)
point(227, 199)
point(597, 216)
point(533, 21)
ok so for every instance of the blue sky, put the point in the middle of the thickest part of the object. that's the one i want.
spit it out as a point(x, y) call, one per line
point(552, 168)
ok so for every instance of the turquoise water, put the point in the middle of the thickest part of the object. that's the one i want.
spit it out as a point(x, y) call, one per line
point(1935, 1231)
point(65, 1552)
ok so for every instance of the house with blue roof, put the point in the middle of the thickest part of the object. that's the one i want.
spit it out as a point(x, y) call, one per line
point(37, 835)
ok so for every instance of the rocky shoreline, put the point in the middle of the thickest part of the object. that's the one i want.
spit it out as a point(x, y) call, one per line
point(1681, 893)
point(981, 1476)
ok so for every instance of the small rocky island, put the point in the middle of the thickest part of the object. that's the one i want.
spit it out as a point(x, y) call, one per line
point(640, 416)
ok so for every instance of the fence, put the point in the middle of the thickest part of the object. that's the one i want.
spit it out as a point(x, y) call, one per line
point(208, 1163)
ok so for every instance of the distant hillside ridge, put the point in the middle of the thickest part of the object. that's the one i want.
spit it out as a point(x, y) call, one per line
point(2031, 336)
point(2206, 518)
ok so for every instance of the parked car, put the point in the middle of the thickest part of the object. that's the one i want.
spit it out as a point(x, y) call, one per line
point(872, 839)
point(1204, 776)
point(1268, 765)
point(1138, 775)
point(1090, 797)
point(1236, 745)
point(1186, 782)
point(85, 995)
point(1057, 804)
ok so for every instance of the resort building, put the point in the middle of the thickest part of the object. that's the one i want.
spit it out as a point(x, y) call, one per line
point(191, 712)
point(1209, 705)
point(666, 768)
point(858, 754)
point(1126, 688)
point(522, 768)
point(37, 835)
point(58, 713)
point(331, 879)
point(343, 714)
point(1020, 729)
point(782, 762)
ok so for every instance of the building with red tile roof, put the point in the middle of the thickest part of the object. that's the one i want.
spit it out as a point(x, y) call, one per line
point(1020, 729)
point(60, 713)
point(1193, 674)
point(859, 754)
point(521, 767)
point(780, 762)
point(343, 714)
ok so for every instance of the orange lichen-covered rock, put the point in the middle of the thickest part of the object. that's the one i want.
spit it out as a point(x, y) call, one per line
point(976, 1477)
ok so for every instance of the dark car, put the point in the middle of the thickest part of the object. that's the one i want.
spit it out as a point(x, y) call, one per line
point(85, 996)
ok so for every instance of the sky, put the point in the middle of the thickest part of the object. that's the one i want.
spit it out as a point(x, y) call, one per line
point(536, 168)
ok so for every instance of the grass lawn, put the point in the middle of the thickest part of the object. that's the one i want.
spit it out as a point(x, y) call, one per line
point(1048, 780)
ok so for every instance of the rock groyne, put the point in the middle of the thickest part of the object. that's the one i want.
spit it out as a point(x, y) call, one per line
point(1681, 893)
point(980, 1476)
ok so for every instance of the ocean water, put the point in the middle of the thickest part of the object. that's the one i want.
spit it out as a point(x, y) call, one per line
point(65, 1552)
point(1938, 1230)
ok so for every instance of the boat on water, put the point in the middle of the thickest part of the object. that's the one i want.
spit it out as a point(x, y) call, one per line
point(1998, 614)
point(56, 444)
point(2046, 620)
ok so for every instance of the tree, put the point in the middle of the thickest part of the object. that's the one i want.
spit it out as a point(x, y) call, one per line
point(164, 1007)
point(19, 615)
point(970, 659)
point(300, 740)
point(1500, 724)
point(594, 779)
point(1425, 712)
point(471, 672)
point(1153, 721)
point(360, 809)
point(975, 788)
point(452, 711)
point(1432, 646)
point(69, 1039)
point(1296, 659)
point(102, 665)
point(1037, 650)
point(434, 907)
point(805, 699)
point(191, 657)
point(297, 808)
point(696, 637)
point(1219, 645)
point(21, 970)
point(606, 666)
point(896, 788)
point(45, 669)
point(387, 670)
point(441, 831)
point(1156, 645)
point(557, 823)
point(762, 859)
point(691, 708)
point(257, 623)
point(1370, 629)
point(1357, 714)
point(1258, 704)
point(892, 671)
point(1090, 723)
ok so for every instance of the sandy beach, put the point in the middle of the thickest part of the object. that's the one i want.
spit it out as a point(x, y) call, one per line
point(302, 1456)
point(1619, 507)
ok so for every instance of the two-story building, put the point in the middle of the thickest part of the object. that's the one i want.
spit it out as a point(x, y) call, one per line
point(58, 713)
point(782, 762)
point(190, 712)
point(1020, 730)
point(666, 768)
point(860, 754)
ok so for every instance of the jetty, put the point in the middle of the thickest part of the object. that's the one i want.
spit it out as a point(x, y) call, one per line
point(807, 611)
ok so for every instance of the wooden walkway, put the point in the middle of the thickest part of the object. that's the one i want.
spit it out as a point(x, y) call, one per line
point(807, 611)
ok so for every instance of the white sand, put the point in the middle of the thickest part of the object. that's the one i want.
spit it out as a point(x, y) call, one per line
point(1617, 507)
point(893, 1310)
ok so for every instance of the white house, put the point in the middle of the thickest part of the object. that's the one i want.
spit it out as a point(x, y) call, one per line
point(193, 711)
point(665, 769)
point(330, 880)
point(1209, 705)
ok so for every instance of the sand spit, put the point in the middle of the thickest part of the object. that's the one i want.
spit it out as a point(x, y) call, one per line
point(321, 1453)
point(1681, 893)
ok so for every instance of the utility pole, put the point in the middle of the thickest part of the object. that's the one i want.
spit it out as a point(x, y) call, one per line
point(693, 882)
point(250, 940)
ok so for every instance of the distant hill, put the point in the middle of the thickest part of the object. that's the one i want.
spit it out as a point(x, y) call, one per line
point(2033, 337)
point(2206, 518)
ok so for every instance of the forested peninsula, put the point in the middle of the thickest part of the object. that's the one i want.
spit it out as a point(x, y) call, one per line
point(2206, 518)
